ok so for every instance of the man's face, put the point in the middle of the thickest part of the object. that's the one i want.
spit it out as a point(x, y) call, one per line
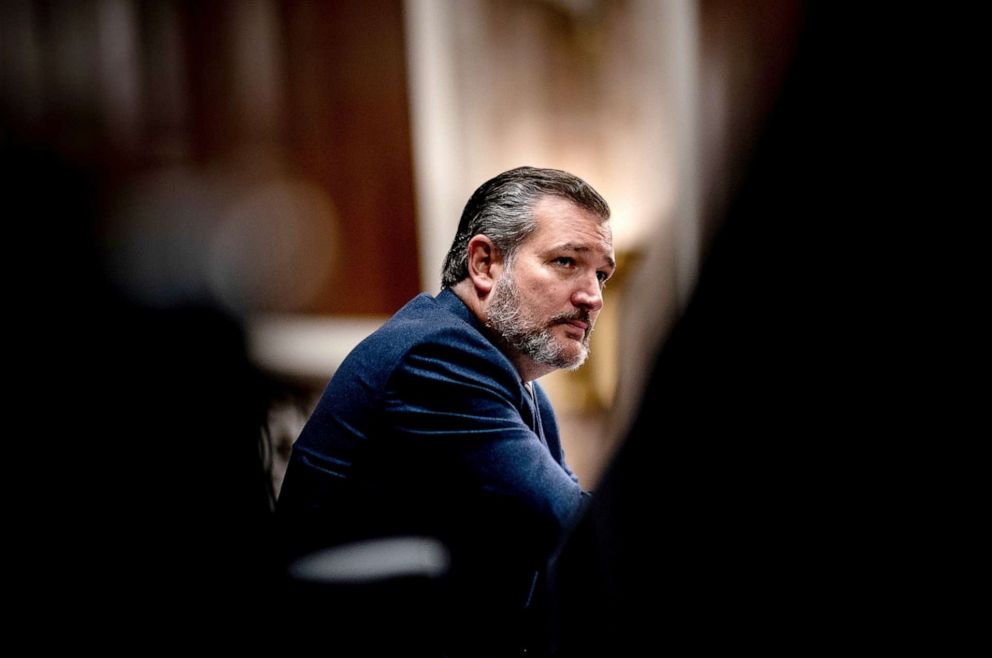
point(544, 306)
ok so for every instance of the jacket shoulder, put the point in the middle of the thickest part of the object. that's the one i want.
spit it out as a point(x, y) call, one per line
point(425, 327)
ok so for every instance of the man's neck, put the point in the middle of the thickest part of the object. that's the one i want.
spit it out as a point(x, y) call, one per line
point(525, 366)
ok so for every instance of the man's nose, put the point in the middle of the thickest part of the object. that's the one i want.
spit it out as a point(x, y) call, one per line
point(589, 295)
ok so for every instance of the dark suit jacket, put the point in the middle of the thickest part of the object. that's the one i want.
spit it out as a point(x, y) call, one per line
point(427, 429)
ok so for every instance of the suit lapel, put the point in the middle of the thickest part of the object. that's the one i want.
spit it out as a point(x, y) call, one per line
point(545, 420)
point(533, 408)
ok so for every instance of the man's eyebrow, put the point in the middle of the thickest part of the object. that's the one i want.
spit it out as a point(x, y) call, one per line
point(572, 246)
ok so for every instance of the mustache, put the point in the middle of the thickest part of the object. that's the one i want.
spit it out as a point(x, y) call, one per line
point(564, 318)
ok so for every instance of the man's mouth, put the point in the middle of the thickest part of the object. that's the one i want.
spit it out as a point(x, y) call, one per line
point(577, 328)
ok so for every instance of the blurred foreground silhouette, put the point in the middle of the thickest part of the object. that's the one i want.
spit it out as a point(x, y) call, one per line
point(779, 487)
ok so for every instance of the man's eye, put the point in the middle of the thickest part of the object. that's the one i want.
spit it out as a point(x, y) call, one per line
point(565, 261)
point(602, 276)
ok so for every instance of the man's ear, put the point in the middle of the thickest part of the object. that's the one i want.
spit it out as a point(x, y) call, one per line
point(483, 256)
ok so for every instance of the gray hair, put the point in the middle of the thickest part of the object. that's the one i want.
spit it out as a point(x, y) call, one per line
point(501, 209)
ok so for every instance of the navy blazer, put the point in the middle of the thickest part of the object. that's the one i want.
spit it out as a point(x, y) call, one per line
point(427, 429)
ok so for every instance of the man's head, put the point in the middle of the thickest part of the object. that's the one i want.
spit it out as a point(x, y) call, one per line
point(532, 253)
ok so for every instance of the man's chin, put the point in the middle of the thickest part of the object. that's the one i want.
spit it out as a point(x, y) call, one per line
point(572, 359)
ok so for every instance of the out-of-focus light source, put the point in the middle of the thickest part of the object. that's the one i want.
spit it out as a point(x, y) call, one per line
point(273, 247)
point(374, 560)
point(185, 236)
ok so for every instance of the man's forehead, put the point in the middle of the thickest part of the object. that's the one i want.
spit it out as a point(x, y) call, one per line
point(561, 220)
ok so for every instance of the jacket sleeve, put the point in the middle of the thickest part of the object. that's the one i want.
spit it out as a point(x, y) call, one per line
point(459, 401)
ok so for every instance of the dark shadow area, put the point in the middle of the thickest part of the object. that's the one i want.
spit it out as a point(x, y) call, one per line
point(141, 492)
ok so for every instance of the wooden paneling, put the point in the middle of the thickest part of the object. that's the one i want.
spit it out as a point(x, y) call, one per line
point(348, 127)
point(239, 96)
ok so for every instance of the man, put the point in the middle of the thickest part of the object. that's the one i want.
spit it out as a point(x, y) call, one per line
point(435, 425)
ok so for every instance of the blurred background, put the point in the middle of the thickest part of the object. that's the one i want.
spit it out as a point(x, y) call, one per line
point(210, 203)
point(302, 165)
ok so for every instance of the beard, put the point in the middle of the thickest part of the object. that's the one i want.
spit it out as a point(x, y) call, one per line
point(514, 329)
